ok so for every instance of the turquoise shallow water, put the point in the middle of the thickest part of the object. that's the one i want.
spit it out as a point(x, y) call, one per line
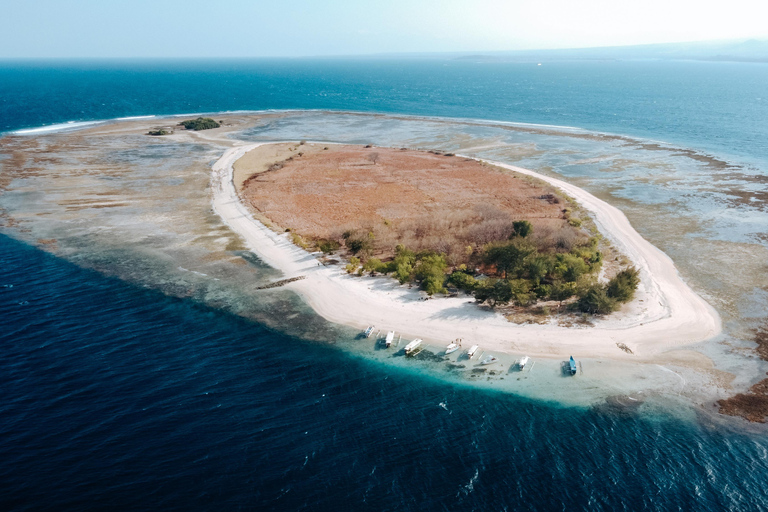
point(120, 397)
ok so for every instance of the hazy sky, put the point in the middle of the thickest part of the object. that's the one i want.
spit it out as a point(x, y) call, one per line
point(242, 28)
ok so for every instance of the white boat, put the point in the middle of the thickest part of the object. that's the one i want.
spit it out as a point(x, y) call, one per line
point(472, 351)
point(412, 346)
point(521, 364)
point(369, 331)
point(451, 348)
point(390, 338)
point(488, 360)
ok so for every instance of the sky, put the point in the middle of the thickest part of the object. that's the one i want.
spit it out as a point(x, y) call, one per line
point(292, 28)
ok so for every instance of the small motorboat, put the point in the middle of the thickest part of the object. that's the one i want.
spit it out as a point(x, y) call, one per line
point(369, 331)
point(412, 346)
point(451, 348)
point(489, 360)
point(521, 364)
point(472, 351)
point(389, 339)
point(572, 366)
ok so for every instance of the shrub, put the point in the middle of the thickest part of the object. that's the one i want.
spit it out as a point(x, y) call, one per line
point(543, 291)
point(328, 246)
point(430, 271)
point(538, 267)
point(596, 301)
point(298, 240)
point(520, 291)
point(570, 267)
point(522, 228)
point(374, 265)
point(352, 265)
point(561, 292)
point(508, 257)
point(462, 281)
point(434, 283)
point(622, 287)
point(403, 272)
point(201, 123)
point(484, 291)
point(356, 245)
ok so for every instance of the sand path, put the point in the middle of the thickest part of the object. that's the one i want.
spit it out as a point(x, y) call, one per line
point(666, 314)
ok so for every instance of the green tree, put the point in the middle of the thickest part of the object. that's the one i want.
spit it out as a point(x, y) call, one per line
point(622, 287)
point(374, 265)
point(328, 246)
point(430, 271)
point(403, 272)
point(462, 280)
point(522, 228)
point(596, 301)
point(521, 291)
point(561, 292)
point(538, 267)
point(508, 257)
point(570, 267)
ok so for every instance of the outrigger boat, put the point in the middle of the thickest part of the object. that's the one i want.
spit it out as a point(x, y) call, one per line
point(369, 331)
point(389, 339)
point(451, 348)
point(412, 346)
point(572, 367)
point(489, 360)
point(472, 351)
point(521, 364)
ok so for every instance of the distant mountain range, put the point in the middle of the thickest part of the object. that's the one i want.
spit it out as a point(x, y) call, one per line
point(751, 50)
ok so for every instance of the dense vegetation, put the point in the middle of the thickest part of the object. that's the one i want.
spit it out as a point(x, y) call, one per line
point(201, 123)
point(501, 272)
point(158, 132)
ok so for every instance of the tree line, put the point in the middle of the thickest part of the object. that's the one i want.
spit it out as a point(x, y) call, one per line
point(503, 272)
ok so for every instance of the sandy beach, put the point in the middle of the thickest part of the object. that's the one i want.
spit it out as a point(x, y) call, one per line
point(665, 315)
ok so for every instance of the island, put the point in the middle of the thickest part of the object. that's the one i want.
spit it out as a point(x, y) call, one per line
point(449, 224)
point(299, 205)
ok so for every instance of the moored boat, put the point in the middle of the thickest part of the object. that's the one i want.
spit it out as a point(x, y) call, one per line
point(369, 331)
point(521, 364)
point(572, 367)
point(412, 346)
point(389, 339)
point(489, 360)
point(451, 348)
point(472, 351)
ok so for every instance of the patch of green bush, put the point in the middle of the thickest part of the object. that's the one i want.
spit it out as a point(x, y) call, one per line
point(328, 246)
point(430, 272)
point(596, 301)
point(622, 287)
point(463, 280)
point(201, 123)
point(522, 228)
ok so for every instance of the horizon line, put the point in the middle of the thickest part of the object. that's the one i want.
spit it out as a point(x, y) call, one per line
point(391, 54)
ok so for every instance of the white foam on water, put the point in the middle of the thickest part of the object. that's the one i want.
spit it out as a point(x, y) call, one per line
point(70, 125)
point(129, 118)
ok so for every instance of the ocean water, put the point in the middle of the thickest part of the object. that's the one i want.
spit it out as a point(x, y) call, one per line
point(120, 397)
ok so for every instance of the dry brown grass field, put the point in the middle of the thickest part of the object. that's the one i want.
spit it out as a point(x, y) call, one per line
point(423, 200)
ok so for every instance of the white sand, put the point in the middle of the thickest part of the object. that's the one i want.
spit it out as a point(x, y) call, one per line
point(665, 315)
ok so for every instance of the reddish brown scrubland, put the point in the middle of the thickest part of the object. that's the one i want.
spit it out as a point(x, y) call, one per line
point(422, 200)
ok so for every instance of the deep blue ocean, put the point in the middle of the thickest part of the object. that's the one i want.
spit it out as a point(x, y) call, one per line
point(116, 397)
